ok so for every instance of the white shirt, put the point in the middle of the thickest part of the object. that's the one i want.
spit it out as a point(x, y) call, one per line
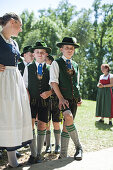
point(103, 77)
point(25, 75)
point(54, 71)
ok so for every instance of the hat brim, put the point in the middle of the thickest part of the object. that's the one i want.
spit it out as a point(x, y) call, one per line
point(48, 50)
point(26, 52)
point(66, 43)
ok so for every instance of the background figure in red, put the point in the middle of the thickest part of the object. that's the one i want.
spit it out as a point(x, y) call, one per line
point(104, 105)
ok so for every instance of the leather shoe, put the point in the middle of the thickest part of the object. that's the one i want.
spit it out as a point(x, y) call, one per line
point(48, 149)
point(9, 166)
point(78, 155)
point(57, 149)
point(110, 123)
point(18, 154)
point(40, 158)
point(32, 160)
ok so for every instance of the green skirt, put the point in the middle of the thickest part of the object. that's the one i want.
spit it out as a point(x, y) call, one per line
point(103, 102)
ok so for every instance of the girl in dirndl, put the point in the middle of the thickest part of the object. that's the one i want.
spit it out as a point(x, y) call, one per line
point(104, 103)
point(15, 116)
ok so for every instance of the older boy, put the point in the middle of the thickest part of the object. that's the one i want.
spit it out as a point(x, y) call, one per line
point(36, 78)
point(64, 80)
point(27, 58)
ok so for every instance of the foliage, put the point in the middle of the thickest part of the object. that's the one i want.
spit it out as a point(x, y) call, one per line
point(93, 35)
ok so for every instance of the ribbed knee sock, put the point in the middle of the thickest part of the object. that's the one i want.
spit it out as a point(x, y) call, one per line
point(33, 146)
point(40, 140)
point(74, 135)
point(57, 137)
point(48, 138)
point(12, 159)
point(64, 144)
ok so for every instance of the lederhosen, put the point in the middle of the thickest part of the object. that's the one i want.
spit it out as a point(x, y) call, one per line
point(36, 86)
point(68, 84)
point(54, 110)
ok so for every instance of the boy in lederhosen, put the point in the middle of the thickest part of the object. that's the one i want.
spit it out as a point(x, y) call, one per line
point(56, 118)
point(64, 81)
point(36, 78)
point(27, 58)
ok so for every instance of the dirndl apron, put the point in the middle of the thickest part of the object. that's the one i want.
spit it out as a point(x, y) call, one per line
point(15, 115)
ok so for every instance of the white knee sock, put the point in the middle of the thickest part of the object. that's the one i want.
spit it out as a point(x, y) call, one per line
point(12, 159)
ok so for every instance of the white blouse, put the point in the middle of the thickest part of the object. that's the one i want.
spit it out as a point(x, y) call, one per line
point(103, 77)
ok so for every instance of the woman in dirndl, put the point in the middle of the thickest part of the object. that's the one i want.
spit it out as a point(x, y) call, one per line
point(104, 103)
point(15, 116)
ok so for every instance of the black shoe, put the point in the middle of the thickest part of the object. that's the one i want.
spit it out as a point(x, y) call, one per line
point(9, 166)
point(110, 123)
point(48, 149)
point(57, 149)
point(101, 121)
point(18, 154)
point(26, 146)
point(32, 160)
point(59, 157)
point(40, 158)
point(78, 155)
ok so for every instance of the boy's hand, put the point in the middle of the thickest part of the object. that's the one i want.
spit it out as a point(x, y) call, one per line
point(46, 94)
point(63, 103)
point(2, 67)
point(79, 103)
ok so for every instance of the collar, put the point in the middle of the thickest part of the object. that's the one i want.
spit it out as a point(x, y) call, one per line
point(10, 41)
point(64, 58)
point(39, 63)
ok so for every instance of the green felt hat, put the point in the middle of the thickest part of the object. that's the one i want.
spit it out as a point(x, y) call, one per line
point(68, 41)
point(26, 49)
point(42, 45)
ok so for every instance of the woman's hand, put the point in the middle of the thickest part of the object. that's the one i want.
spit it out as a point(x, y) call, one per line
point(99, 85)
point(2, 67)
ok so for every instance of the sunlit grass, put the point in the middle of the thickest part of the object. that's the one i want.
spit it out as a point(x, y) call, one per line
point(93, 135)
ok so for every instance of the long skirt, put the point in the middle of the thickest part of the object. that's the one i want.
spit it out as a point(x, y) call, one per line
point(104, 103)
point(15, 115)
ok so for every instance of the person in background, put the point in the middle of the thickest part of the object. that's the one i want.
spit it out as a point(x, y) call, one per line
point(104, 102)
point(27, 58)
point(14, 102)
point(55, 113)
point(64, 81)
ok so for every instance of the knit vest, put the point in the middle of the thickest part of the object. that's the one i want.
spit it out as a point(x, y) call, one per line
point(36, 86)
point(68, 83)
point(21, 68)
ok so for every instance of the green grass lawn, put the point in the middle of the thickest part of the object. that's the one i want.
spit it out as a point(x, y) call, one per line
point(93, 135)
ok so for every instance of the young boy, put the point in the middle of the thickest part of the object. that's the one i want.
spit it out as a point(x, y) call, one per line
point(64, 81)
point(55, 114)
point(36, 78)
point(27, 59)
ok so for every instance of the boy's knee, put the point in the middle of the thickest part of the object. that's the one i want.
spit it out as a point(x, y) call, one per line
point(68, 115)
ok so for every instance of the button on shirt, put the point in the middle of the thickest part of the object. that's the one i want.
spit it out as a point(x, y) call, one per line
point(54, 71)
point(25, 75)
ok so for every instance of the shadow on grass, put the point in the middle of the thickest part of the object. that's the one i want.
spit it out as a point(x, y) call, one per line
point(103, 126)
point(50, 165)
